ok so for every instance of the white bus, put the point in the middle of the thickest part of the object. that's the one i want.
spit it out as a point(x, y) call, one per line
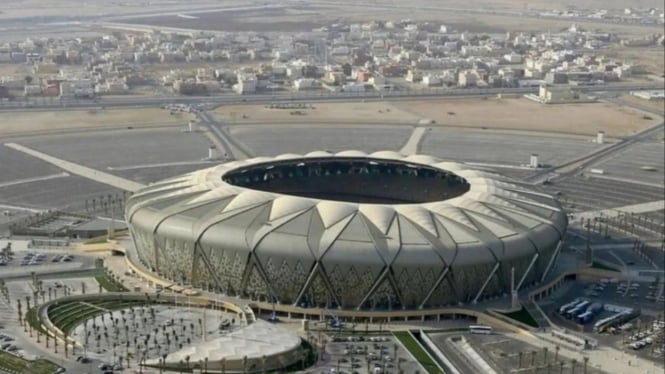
point(479, 329)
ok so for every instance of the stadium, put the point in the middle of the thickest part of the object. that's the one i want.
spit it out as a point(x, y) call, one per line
point(349, 230)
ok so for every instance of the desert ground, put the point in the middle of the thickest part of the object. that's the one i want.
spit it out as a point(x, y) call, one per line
point(24, 123)
point(356, 113)
point(654, 104)
point(525, 115)
point(506, 115)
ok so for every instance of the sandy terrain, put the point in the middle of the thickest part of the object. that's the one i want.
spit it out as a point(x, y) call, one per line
point(372, 112)
point(655, 104)
point(504, 115)
point(525, 115)
point(23, 123)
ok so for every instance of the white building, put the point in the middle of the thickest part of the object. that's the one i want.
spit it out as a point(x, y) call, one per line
point(246, 83)
point(306, 83)
point(431, 80)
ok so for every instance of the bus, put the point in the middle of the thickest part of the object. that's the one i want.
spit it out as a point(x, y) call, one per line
point(581, 307)
point(585, 317)
point(569, 306)
point(480, 329)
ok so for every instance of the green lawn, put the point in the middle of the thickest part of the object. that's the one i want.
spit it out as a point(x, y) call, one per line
point(12, 363)
point(109, 284)
point(15, 364)
point(41, 366)
point(523, 316)
point(417, 351)
point(598, 265)
point(70, 314)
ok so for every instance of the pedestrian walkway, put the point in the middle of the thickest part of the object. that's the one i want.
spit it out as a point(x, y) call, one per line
point(604, 357)
point(83, 171)
point(412, 145)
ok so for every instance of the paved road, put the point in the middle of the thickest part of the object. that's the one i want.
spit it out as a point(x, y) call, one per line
point(229, 99)
point(86, 172)
point(231, 148)
point(413, 144)
point(579, 164)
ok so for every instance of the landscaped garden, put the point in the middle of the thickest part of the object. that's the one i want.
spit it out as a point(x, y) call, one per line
point(523, 316)
point(15, 364)
point(68, 315)
point(418, 352)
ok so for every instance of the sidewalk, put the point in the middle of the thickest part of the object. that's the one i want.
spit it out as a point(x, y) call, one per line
point(604, 358)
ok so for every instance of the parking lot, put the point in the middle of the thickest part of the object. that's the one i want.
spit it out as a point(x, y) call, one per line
point(506, 355)
point(641, 295)
point(643, 162)
point(40, 261)
point(366, 355)
point(580, 193)
point(474, 146)
point(273, 140)
point(118, 148)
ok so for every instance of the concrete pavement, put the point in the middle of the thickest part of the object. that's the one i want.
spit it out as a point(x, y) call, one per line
point(412, 145)
point(604, 357)
point(84, 171)
point(652, 206)
point(36, 179)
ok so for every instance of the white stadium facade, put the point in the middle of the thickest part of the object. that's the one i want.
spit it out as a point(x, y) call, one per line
point(350, 230)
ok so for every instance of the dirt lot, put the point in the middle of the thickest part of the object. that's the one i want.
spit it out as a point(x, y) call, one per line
point(474, 114)
point(24, 123)
point(655, 104)
point(374, 112)
point(520, 115)
point(525, 115)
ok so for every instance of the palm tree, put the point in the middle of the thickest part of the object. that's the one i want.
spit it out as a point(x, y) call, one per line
point(556, 353)
point(545, 349)
point(573, 362)
point(27, 322)
point(244, 364)
point(561, 367)
point(20, 312)
point(586, 363)
point(264, 359)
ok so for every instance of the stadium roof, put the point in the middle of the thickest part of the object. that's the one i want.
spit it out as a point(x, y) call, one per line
point(494, 207)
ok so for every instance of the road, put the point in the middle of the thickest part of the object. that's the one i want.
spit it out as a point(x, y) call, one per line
point(231, 148)
point(579, 164)
point(233, 99)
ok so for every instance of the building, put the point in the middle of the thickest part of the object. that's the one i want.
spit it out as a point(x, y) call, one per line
point(556, 94)
point(247, 83)
point(649, 95)
point(349, 230)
